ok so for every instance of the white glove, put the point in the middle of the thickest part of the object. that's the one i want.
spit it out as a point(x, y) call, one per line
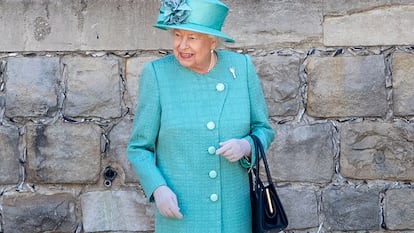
point(234, 149)
point(166, 202)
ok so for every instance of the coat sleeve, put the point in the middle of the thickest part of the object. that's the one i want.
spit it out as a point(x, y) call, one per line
point(142, 142)
point(259, 118)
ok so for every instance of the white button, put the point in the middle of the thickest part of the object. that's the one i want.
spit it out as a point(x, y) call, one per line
point(220, 87)
point(213, 197)
point(212, 150)
point(212, 174)
point(211, 125)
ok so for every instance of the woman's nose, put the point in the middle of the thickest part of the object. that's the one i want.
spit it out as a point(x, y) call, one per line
point(183, 43)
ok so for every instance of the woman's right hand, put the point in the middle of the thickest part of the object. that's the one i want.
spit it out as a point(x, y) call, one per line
point(166, 202)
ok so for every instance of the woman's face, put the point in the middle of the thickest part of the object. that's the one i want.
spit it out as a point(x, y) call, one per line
point(193, 50)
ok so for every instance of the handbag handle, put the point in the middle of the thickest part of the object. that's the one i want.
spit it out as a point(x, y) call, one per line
point(260, 154)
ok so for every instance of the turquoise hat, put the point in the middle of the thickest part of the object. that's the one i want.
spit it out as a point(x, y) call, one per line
point(203, 16)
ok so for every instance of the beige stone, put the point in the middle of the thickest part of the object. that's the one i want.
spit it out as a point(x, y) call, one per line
point(390, 25)
point(403, 84)
point(116, 211)
point(346, 86)
point(377, 151)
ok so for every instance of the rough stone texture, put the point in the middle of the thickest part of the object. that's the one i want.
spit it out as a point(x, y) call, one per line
point(120, 25)
point(403, 83)
point(265, 23)
point(93, 87)
point(9, 154)
point(36, 25)
point(386, 25)
point(134, 67)
point(32, 86)
point(39, 213)
point(280, 82)
point(88, 25)
point(119, 137)
point(378, 151)
point(63, 153)
point(343, 214)
point(343, 7)
point(301, 207)
point(302, 153)
point(116, 211)
point(102, 25)
point(346, 86)
point(399, 209)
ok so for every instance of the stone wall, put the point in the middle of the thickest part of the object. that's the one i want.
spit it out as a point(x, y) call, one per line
point(338, 78)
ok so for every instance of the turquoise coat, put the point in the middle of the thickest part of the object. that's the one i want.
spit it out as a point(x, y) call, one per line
point(180, 118)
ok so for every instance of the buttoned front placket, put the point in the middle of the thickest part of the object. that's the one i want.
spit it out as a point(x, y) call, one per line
point(213, 170)
point(212, 174)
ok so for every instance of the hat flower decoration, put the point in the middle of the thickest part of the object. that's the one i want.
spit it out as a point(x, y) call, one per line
point(176, 11)
point(202, 16)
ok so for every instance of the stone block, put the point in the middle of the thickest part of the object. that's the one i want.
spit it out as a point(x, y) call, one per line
point(346, 86)
point(93, 87)
point(351, 209)
point(301, 206)
point(386, 25)
point(133, 71)
point(403, 83)
point(302, 153)
point(340, 7)
point(280, 82)
point(264, 23)
point(70, 25)
point(399, 209)
point(39, 25)
point(116, 211)
point(63, 153)
point(39, 213)
point(9, 154)
point(119, 137)
point(32, 86)
point(374, 150)
point(122, 25)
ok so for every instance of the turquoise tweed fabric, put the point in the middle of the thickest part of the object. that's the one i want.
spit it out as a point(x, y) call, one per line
point(180, 118)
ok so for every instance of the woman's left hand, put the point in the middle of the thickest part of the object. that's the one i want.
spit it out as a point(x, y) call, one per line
point(234, 149)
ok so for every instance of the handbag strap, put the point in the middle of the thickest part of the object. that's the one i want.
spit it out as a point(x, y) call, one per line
point(260, 154)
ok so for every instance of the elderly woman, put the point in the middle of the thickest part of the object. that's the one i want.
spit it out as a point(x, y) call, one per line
point(190, 144)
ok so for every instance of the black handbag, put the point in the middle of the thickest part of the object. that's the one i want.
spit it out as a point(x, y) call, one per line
point(267, 210)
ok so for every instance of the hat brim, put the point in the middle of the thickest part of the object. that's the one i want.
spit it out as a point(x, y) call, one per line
point(196, 28)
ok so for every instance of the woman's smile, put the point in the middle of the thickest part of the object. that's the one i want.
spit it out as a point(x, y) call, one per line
point(186, 55)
